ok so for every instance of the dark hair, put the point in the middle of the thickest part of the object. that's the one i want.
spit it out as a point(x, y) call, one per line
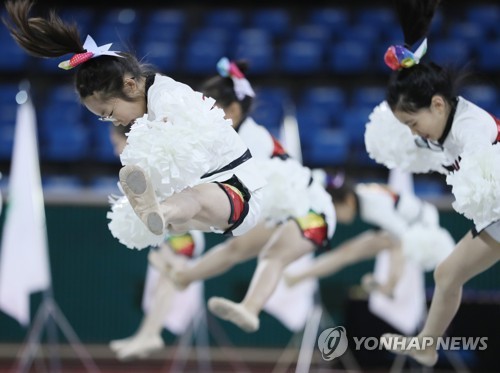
point(221, 89)
point(339, 188)
point(52, 37)
point(411, 89)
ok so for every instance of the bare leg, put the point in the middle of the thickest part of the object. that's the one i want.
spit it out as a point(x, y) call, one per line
point(470, 257)
point(148, 337)
point(220, 258)
point(396, 268)
point(202, 207)
point(362, 247)
point(284, 247)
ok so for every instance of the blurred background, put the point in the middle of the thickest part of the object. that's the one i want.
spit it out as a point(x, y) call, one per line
point(319, 63)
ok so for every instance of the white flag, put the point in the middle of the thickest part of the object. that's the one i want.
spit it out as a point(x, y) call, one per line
point(24, 266)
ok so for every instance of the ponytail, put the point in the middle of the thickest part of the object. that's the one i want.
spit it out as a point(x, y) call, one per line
point(38, 36)
point(415, 17)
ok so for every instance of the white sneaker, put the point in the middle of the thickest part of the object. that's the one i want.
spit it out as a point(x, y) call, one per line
point(140, 347)
point(235, 313)
point(141, 195)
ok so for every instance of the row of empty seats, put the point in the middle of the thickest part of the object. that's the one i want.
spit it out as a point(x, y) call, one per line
point(331, 122)
point(330, 40)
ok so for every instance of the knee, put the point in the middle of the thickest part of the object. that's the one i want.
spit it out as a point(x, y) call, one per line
point(446, 276)
point(273, 253)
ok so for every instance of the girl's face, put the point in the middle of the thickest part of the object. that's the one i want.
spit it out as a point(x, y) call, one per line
point(233, 112)
point(346, 210)
point(428, 123)
point(117, 110)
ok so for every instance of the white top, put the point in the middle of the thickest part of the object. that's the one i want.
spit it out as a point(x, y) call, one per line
point(377, 206)
point(257, 138)
point(472, 128)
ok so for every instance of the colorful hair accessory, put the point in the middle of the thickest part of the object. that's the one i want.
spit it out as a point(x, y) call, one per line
point(399, 57)
point(92, 51)
point(335, 181)
point(228, 69)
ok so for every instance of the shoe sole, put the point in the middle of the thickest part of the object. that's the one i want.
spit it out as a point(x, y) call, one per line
point(136, 182)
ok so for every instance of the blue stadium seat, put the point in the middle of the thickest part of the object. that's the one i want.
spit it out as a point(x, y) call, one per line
point(485, 15)
point(210, 35)
point(330, 148)
point(467, 32)
point(368, 96)
point(118, 26)
point(201, 57)
point(349, 57)
point(275, 20)
point(450, 52)
point(172, 17)
point(483, 95)
point(252, 36)
point(270, 105)
point(354, 122)
point(311, 33)
point(8, 115)
point(361, 34)
point(59, 183)
point(100, 144)
point(12, 58)
point(105, 184)
point(164, 26)
point(377, 18)
point(67, 143)
point(260, 57)
point(163, 55)
point(331, 99)
point(425, 188)
point(335, 19)
point(226, 18)
point(301, 57)
point(489, 55)
point(311, 120)
point(83, 17)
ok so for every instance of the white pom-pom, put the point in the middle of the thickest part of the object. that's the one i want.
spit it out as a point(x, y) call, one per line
point(286, 193)
point(427, 246)
point(476, 186)
point(392, 144)
point(181, 144)
point(126, 226)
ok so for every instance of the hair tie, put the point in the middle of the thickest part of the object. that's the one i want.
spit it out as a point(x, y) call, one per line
point(335, 181)
point(228, 69)
point(399, 57)
point(91, 51)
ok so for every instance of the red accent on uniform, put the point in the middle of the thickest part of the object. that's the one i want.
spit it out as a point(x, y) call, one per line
point(317, 235)
point(278, 148)
point(237, 202)
point(497, 121)
point(187, 250)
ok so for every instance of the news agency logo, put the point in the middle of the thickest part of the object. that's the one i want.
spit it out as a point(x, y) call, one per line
point(332, 343)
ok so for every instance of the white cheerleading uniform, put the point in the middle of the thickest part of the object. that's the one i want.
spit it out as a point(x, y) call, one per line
point(468, 153)
point(414, 222)
point(291, 191)
point(183, 141)
point(470, 144)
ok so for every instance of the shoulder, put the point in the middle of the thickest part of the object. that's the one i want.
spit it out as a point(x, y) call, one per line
point(470, 114)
